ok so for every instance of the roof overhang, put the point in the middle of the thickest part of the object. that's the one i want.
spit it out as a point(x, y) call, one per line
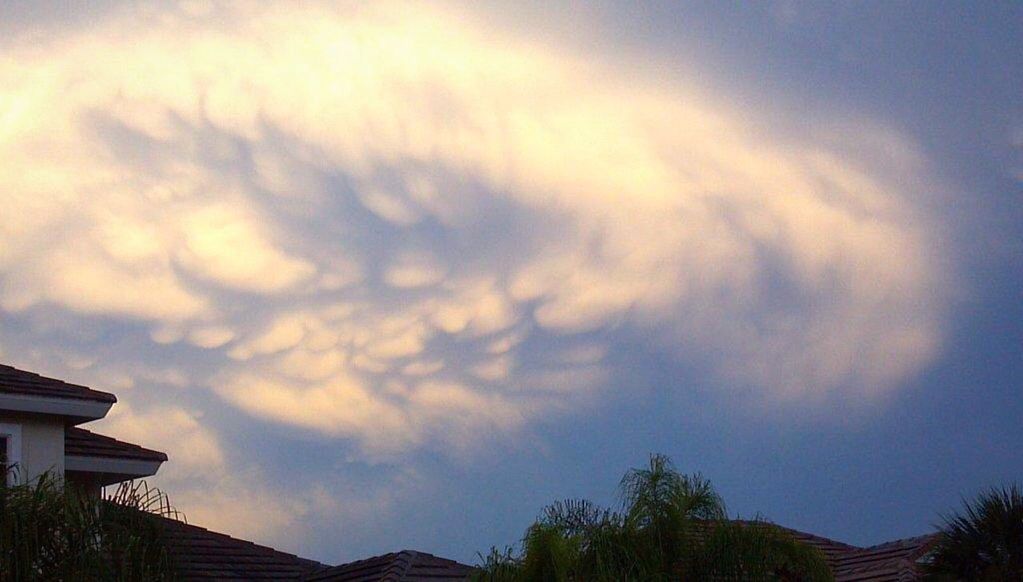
point(76, 410)
point(110, 470)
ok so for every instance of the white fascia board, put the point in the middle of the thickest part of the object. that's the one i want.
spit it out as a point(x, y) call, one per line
point(81, 410)
point(131, 467)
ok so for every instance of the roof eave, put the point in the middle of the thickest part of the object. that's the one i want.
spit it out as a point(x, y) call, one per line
point(76, 410)
point(112, 470)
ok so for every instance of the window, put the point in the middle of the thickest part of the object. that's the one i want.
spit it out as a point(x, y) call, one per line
point(3, 457)
point(10, 452)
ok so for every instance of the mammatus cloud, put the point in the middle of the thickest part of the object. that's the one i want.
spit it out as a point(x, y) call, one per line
point(383, 225)
point(239, 497)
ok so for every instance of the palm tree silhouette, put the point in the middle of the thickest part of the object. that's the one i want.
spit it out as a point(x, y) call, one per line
point(671, 526)
point(984, 541)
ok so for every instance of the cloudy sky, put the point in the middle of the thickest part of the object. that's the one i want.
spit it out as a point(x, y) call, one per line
point(383, 276)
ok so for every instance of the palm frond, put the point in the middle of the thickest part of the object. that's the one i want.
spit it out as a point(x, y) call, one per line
point(51, 530)
point(984, 541)
point(671, 526)
point(755, 550)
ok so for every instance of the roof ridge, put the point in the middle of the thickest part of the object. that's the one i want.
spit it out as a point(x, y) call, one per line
point(911, 539)
point(409, 559)
point(896, 557)
point(368, 559)
point(234, 539)
point(802, 533)
point(201, 553)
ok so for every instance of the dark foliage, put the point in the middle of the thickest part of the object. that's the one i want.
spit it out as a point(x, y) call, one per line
point(50, 530)
point(982, 542)
point(671, 526)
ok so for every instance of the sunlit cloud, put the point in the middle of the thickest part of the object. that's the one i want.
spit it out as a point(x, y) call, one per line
point(237, 495)
point(379, 224)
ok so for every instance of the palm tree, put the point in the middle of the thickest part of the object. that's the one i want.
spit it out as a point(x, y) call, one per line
point(671, 526)
point(984, 542)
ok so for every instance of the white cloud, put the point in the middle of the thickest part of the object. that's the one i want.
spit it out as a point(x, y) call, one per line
point(284, 332)
point(210, 337)
point(414, 270)
point(236, 495)
point(228, 249)
point(376, 217)
point(195, 448)
point(340, 406)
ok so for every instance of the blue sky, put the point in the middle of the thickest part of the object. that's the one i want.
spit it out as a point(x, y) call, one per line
point(396, 277)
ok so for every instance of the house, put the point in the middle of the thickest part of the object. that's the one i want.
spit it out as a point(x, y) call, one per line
point(40, 431)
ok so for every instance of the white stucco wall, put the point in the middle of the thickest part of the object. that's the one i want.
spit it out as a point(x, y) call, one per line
point(42, 444)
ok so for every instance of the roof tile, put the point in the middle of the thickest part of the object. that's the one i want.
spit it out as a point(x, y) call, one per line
point(15, 381)
point(895, 561)
point(404, 566)
point(201, 554)
point(84, 443)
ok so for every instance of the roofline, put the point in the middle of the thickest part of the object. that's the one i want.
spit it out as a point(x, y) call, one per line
point(76, 409)
point(827, 540)
point(116, 470)
point(408, 556)
point(923, 539)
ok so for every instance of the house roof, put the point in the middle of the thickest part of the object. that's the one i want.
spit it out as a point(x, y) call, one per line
point(894, 561)
point(833, 550)
point(20, 382)
point(201, 554)
point(84, 443)
point(404, 566)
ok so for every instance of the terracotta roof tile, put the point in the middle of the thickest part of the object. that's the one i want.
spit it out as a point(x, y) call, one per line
point(84, 443)
point(200, 554)
point(894, 561)
point(404, 566)
point(832, 550)
point(15, 381)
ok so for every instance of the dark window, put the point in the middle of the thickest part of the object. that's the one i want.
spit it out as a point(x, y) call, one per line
point(3, 460)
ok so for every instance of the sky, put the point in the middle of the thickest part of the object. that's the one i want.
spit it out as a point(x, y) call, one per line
point(396, 275)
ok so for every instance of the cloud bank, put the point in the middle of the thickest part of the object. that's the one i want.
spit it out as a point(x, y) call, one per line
point(385, 225)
